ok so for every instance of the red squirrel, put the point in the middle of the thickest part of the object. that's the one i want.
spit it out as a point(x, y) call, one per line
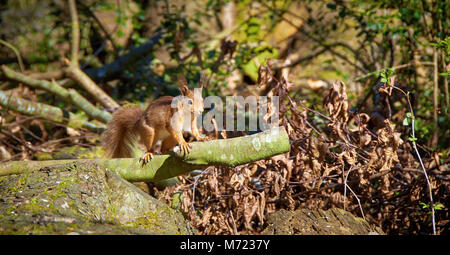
point(160, 121)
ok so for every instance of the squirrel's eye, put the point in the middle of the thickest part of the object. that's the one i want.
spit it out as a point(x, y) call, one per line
point(190, 101)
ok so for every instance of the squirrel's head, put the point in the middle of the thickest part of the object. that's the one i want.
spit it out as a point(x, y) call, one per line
point(193, 98)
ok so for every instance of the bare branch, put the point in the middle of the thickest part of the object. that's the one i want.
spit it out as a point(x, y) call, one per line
point(47, 112)
point(14, 49)
point(89, 85)
point(70, 96)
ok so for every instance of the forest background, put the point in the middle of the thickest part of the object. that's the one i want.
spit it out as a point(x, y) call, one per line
point(364, 89)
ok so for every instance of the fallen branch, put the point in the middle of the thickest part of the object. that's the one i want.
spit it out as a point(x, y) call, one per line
point(68, 95)
point(76, 74)
point(47, 112)
point(226, 152)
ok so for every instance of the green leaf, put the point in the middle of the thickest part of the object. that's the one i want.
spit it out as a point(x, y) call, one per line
point(438, 206)
point(405, 122)
point(412, 139)
point(424, 206)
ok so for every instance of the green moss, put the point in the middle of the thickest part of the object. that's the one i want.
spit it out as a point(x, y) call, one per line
point(61, 187)
point(43, 156)
point(3, 180)
point(177, 200)
point(33, 207)
point(111, 210)
point(99, 152)
point(74, 149)
point(111, 213)
point(36, 209)
point(20, 183)
point(11, 209)
point(149, 221)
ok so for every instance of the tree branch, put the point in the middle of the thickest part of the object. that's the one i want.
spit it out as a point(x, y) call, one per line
point(76, 74)
point(70, 96)
point(226, 152)
point(47, 112)
point(113, 70)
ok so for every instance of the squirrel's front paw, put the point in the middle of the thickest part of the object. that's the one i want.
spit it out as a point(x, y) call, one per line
point(146, 158)
point(203, 138)
point(185, 148)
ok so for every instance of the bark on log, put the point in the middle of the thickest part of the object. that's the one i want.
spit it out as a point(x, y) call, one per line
point(228, 152)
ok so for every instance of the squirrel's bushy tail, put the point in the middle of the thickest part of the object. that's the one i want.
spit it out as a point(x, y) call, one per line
point(119, 137)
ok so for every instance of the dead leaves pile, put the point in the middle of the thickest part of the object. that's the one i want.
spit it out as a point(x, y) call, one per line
point(342, 162)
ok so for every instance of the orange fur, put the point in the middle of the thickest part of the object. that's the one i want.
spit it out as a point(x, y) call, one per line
point(118, 139)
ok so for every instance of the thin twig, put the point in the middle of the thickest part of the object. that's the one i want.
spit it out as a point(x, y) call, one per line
point(234, 223)
point(19, 58)
point(447, 103)
point(75, 42)
point(357, 199)
point(99, 23)
point(196, 178)
point(345, 182)
point(434, 139)
point(395, 68)
point(413, 140)
point(354, 194)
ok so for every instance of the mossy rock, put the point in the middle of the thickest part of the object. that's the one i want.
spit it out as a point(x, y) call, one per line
point(82, 199)
point(318, 222)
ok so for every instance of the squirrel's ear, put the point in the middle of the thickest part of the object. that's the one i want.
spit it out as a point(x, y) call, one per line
point(184, 91)
point(203, 80)
point(183, 84)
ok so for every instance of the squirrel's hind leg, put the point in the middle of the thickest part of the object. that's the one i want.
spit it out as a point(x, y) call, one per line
point(168, 144)
point(148, 139)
